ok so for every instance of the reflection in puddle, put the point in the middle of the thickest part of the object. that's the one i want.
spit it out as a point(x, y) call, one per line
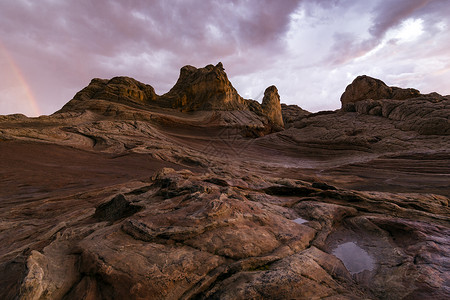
point(300, 221)
point(354, 258)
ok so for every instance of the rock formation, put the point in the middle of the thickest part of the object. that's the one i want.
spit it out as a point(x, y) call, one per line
point(206, 88)
point(123, 194)
point(118, 89)
point(370, 96)
point(203, 89)
point(292, 113)
point(272, 107)
point(365, 87)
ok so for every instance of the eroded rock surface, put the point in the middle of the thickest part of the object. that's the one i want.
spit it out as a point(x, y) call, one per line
point(206, 88)
point(366, 87)
point(427, 114)
point(196, 237)
point(292, 113)
point(205, 91)
point(272, 107)
point(118, 89)
point(192, 195)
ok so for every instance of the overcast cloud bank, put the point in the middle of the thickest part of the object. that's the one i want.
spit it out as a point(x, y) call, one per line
point(310, 50)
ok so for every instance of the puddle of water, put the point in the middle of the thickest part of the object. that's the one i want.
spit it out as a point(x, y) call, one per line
point(355, 259)
point(300, 221)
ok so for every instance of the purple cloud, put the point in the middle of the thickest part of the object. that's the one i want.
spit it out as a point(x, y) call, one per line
point(58, 46)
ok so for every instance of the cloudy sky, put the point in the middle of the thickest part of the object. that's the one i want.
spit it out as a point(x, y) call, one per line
point(311, 50)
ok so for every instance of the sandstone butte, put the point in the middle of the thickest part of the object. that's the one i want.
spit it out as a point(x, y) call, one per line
point(202, 194)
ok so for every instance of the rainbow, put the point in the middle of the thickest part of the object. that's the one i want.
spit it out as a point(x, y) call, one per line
point(22, 81)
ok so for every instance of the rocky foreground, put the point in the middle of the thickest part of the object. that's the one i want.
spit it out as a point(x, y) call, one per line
point(200, 193)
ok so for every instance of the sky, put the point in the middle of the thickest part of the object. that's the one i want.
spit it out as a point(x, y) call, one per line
point(311, 50)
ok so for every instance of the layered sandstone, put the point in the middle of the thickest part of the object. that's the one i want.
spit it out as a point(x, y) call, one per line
point(192, 195)
point(196, 90)
point(118, 89)
point(411, 110)
point(365, 87)
point(206, 88)
point(272, 107)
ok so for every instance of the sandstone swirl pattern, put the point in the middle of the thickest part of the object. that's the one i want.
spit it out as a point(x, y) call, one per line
point(197, 194)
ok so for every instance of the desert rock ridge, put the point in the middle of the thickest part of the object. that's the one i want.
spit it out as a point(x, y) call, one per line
point(201, 194)
point(203, 89)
